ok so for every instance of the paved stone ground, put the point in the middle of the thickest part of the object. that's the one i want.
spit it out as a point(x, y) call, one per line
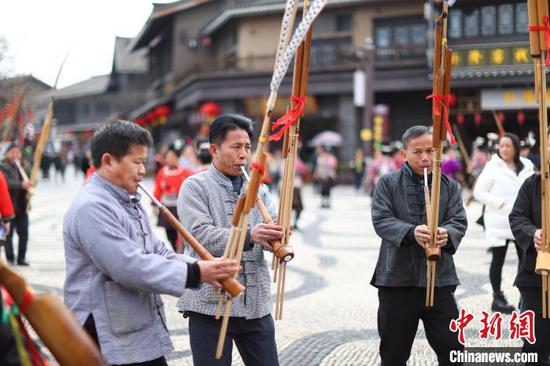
point(330, 308)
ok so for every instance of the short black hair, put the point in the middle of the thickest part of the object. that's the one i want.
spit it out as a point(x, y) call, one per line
point(116, 138)
point(228, 122)
point(414, 132)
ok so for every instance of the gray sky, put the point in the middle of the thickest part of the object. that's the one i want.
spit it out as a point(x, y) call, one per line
point(40, 32)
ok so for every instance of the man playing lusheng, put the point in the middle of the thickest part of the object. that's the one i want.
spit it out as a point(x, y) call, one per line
point(116, 267)
point(399, 218)
point(525, 221)
point(206, 205)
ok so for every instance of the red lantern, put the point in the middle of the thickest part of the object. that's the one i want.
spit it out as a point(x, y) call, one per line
point(521, 118)
point(501, 117)
point(210, 109)
point(460, 119)
point(162, 111)
point(452, 100)
point(477, 119)
point(150, 117)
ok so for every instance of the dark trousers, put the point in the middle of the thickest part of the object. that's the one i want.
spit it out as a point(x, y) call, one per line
point(531, 299)
point(157, 362)
point(400, 310)
point(254, 338)
point(495, 270)
point(20, 224)
point(172, 236)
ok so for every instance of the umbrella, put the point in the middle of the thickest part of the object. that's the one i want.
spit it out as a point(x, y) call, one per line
point(326, 138)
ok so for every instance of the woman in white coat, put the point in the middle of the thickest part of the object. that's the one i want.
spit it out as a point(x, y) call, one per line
point(497, 188)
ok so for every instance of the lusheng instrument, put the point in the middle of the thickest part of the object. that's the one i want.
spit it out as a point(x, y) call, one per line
point(285, 53)
point(440, 114)
point(538, 29)
point(289, 154)
point(284, 253)
point(52, 321)
point(233, 287)
point(43, 138)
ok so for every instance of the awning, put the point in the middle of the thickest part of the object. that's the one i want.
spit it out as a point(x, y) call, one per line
point(509, 99)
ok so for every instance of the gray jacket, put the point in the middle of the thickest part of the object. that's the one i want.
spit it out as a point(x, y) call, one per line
point(397, 208)
point(116, 270)
point(206, 204)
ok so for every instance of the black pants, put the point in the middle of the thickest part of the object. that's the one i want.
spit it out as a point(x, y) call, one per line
point(531, 299)
point(156, 362)
point(400, 310)
point(172, 236)
point(20, 224)
point(254, 338)
point(495, 270)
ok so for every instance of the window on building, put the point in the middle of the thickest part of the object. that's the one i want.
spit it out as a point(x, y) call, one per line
point(506, 19)
point(344, 22)
point(418, 34)
point(102, 108)
point(471, 23)
point(382, 37)
point(455, 24)
point(402, 38)
point(401, 35)
point(488, 20)
point(522, 18)
point(85, 108)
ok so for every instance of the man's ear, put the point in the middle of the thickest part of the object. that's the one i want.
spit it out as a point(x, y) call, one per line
point(107, 161)
point(213, 149)
point(404, 154)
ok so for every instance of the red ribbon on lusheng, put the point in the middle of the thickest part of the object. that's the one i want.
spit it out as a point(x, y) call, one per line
point(28, 297)
point(546, 29)
point(37, 359)
point(259, 167)
point(289, 118)
point(442, 100)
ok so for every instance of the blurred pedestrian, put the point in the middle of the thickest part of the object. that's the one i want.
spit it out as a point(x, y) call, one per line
point(19, 188)
point(325, 173)
point(358, 166)
point(497, 188)
point(167, 186)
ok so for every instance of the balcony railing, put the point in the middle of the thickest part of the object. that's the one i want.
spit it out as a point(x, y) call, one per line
point(402, 55)
point(320, 58)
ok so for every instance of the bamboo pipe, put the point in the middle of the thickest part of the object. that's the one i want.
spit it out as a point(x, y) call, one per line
point(52, 321)
point(233, 287)
point(283, 252)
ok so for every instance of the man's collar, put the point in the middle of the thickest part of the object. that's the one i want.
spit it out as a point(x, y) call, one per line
point(120, 193)
point(409, 171)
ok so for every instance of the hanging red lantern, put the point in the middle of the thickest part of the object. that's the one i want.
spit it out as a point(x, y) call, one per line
point(452, 100)
point(521, 118)
point(162, 111)
point(150, 117)
point(477, 119)
point(210, 109)
point(460, 119)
